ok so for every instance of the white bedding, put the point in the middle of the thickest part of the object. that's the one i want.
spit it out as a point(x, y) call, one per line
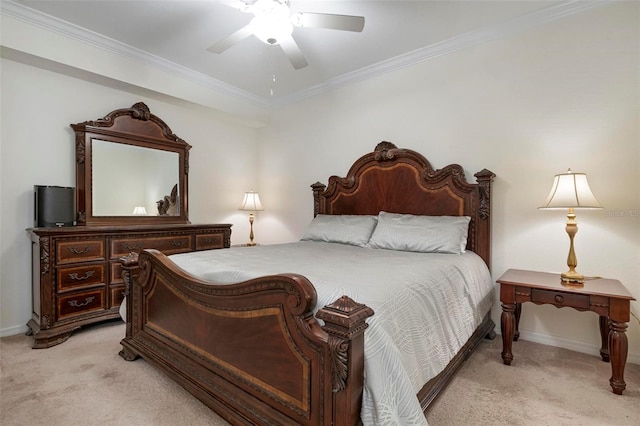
point(426, 307)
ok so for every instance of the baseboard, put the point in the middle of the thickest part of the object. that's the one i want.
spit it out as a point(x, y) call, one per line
point(572, 345)
point(12, 331)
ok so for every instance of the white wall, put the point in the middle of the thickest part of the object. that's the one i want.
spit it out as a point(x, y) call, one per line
point(38, 148)
point(528, 107)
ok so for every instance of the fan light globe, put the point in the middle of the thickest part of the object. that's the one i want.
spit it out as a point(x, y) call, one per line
point(271, 21)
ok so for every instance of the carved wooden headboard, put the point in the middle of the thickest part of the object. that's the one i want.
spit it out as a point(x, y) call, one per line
point(169, 205)
point(398, 180)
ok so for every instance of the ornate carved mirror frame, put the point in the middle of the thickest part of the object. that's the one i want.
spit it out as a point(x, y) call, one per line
point(135, 127)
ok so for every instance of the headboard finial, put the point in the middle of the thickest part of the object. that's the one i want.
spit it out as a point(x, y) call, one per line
point(383, 151)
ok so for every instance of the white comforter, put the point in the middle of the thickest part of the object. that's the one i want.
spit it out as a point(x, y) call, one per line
point(426, 307)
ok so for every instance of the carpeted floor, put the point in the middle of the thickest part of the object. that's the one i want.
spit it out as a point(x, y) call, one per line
point(83, 381)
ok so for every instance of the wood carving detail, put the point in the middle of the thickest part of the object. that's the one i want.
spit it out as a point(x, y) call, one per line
point(44, 255)
point(140, 111)
point(384, 151)
point(344, 320)
point(80, 148)
point(339, 350)
point(484, 178)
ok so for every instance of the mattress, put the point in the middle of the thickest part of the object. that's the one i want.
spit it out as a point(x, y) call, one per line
point(426, 306)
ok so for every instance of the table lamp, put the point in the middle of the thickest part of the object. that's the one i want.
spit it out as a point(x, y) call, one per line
point(251, 203)
point(139, 211)
point(571, 191)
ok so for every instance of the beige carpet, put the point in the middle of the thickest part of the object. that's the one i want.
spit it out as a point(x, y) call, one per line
point(84, 382)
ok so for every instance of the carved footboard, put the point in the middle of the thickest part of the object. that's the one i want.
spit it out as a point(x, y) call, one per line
point(253, 351)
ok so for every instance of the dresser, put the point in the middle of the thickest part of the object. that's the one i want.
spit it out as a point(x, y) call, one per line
point(77, 275)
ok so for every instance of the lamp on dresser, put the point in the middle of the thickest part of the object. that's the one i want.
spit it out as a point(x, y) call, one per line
point(251, 203)
point(571, 191)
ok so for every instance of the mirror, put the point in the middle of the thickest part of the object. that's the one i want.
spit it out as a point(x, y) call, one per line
point(130, 168)
point(147, 174)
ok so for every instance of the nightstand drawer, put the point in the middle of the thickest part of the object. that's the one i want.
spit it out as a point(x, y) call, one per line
point(559, 298)
point(80, 276)
point(209, 241)
point(79, 250)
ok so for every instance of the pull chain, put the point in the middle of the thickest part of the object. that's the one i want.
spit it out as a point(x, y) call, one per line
point(273, 72)
point(273, 82)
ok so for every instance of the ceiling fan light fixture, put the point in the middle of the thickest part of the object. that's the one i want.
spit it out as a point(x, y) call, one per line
point(271, 22)
point(271, 28)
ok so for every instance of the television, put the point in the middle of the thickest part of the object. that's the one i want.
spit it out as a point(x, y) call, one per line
point(54, 206)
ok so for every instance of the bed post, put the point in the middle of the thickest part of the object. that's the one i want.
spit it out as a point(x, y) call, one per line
point(130, 272)
point(318, 188)
point(345, 324)
point(483, 234)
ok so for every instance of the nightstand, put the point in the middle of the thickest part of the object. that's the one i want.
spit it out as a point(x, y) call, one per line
point(608, 298)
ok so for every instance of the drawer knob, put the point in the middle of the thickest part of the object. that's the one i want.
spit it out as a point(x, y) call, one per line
point(559, 299)
point(176, 243)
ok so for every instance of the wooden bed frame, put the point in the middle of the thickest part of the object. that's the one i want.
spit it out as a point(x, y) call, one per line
point(254, 352)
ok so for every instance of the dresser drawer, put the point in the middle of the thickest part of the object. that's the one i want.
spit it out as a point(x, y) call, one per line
point(80, 303)
point(72, 251)
point(116, 272)
point(73, 277)
point(116, 296)
point(167, 244)
point(209, 241)
point(559, 298)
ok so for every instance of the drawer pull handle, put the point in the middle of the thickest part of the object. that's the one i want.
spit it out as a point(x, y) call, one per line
point(75, 303)
point(559, 299)
point(75, 276)
point(132, 247)
point(80, 251)
point(208, 240)
point(176, 243)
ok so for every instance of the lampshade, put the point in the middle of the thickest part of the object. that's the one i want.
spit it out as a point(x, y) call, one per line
point(251, 202)
point(139, 211)
point(571, 190)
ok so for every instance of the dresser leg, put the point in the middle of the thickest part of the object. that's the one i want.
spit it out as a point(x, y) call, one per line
point(618, 348)
point(604, 337)
point(507, 323)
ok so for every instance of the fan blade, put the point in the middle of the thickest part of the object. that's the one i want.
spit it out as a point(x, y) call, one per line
point(327, 20)
point(291, 49)
point(229, 41)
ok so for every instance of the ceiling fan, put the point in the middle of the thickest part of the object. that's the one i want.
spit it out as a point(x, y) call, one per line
point(273, 24)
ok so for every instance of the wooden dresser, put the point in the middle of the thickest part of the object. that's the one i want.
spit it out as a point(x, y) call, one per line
point(77, 277)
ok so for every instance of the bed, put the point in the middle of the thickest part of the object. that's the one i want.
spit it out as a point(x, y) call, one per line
point(276, 334)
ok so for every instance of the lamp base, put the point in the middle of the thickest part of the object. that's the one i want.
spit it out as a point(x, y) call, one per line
point(251, 244)
point(572, 278)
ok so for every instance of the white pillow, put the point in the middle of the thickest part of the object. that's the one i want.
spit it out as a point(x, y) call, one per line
point(426, 234)
point(345, 229)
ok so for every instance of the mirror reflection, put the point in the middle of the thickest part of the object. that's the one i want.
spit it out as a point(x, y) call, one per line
point(131, 180)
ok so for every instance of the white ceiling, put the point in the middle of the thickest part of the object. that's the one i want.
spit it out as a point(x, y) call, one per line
point(396, 34)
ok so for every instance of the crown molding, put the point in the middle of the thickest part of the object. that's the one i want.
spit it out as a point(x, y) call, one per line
point(451, 45)
point(83, 35)
point(435, 50)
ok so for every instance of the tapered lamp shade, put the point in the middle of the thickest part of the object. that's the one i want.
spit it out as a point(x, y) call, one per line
point(571, 191)
point(251, 202)
point(139, 211)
